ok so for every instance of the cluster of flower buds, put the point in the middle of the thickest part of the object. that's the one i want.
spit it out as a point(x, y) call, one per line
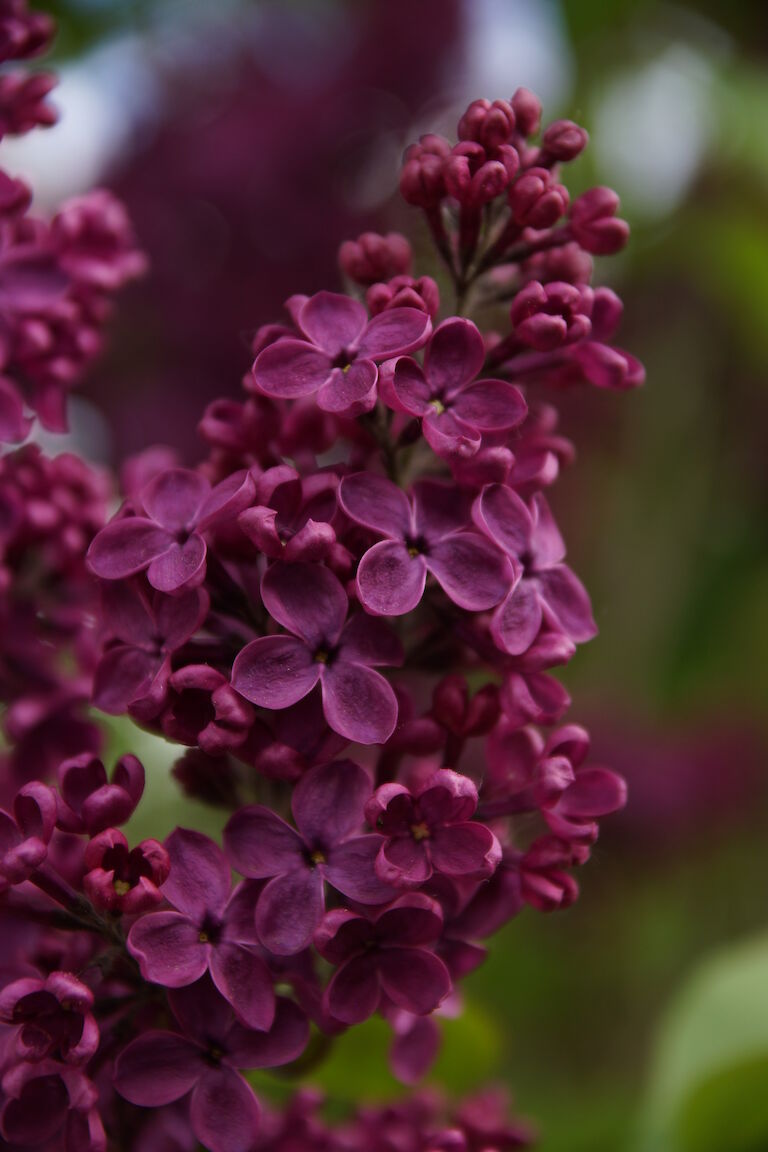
point(57, 277)
point(502, 219)
point(347, 615)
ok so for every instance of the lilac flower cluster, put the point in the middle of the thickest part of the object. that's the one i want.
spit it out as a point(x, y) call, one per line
point(348, 615)
point(57, 277)
point(423, 1123)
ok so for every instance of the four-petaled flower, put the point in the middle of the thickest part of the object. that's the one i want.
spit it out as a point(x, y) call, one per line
point(337, 357)
point(325, 648)
point(429, 535)
point(455, 408)
point(386, 957)
point(327, 806)
point(53, 1017)
point(144, 631)
point(159, 1067)
point(209, 931)
point(547, 591)
point(167, 541)
point(124, 880)
point(430, 830)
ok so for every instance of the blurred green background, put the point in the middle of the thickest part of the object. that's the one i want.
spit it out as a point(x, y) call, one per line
point(637, 1020)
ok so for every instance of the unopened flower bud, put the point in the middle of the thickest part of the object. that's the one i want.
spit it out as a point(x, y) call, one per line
point(373, 257)
point(537, 200)
point(594, 223)
point(527, 109)
point(564, 140)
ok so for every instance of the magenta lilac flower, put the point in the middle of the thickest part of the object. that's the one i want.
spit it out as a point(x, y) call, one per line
point(206, 931)
point(389, 956)
point(455, 408)
point(203, 1059)
point(431, 830)
point(345, 614)
point(427, 536)
point(325, 648)
point(167, 541)
point(325, 847)
point(338, 354)
point(51, 1018)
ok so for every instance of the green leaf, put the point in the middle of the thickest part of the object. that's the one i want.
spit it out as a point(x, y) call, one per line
point(708, 1087)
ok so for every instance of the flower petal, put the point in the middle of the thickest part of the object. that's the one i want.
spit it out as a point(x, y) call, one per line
point(127, 614)
point(595, 792)
point(414, 1050)
point(503, 516)
point(126, 546)
point(354, 992)
point(367, 640)
point(230, 497)
point(390, 582)
point(394, 332)
point(568, 599)
point(244, 981)
point(403, 862)
point(168, 948)
point(291, 368)
point(358, 703)
point(413, 920)
point(455, 355)
point(203, 1013)
point(179, 617)
point(289, 910)
point(351, 870)
point(466, 849)
point(259, 844)
point(224, 1112)
point(123, 675)
point(448, 436)
point(275, 671)
point(376, 503)
point(332, 321)
point(307, 599)
point(439, 508)
point(517, 620)
point(411, 387)
point(473, 573)
point(174, 498)
point(352, 391)
point(178, 565)
point(328, 802)
point(547, 544)
point(490, 405)
point(199, 879)
point(157, 1068)
point(414, 979)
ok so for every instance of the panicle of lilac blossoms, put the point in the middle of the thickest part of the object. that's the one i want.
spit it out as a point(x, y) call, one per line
point(58, 276)
point(346, 615)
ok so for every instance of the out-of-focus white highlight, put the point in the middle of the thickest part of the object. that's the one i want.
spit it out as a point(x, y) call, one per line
point(513, 44)
point(101, 100)
point(652, 129)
